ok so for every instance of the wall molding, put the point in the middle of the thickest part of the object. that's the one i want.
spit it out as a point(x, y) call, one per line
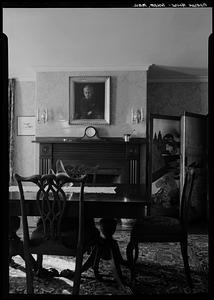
point(31, 75)
point(89, 68)
point(163, 79)
point(25, 79)
point(178, 79)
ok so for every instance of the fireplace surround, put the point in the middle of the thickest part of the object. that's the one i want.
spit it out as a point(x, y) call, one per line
point(111, 159)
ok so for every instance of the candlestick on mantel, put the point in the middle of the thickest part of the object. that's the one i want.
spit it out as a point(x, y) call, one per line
point(132, 115)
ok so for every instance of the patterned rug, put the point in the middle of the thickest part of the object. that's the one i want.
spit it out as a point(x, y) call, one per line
point(159, 271)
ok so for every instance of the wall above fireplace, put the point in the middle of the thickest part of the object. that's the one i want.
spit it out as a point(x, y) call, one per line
point(128, 89)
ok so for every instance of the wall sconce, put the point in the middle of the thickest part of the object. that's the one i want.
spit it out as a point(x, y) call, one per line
point(42, 117)
point(137, 116)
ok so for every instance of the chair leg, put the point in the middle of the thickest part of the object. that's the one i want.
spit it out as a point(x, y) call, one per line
point(184, 252)
point(130, 258)
point(136, 252)
point(39, 261)
point(29, 274)
point(78, 270)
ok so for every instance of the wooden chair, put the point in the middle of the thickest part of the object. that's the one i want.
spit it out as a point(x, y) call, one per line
point(50, 238)
point(163, 229)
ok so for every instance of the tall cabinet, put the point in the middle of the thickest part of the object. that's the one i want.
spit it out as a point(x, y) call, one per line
point(175, 142)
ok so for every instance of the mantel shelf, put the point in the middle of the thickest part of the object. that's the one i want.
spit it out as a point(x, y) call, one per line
point(77, 140)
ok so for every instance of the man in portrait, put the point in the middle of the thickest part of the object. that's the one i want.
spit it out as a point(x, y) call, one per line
point(88, 105)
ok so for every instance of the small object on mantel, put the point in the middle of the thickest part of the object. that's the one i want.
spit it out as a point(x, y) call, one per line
point(67, 140)
point(91, 133)
point(127, 136)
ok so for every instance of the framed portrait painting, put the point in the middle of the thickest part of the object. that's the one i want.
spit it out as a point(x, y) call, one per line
point(89, 100)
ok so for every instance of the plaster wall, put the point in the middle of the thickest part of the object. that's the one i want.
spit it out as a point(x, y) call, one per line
point(173, 98)
point(25, 151)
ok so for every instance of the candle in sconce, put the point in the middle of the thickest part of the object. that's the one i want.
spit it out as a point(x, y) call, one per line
point(46, 115)
point(132, 115)
point(141, 113)
point(42, 116)
point(38, 114)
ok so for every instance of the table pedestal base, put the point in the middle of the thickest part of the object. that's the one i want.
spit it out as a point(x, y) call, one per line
point(106, 249)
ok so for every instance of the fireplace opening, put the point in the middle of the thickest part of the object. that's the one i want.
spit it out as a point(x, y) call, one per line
point(96, 173)
point(99, 175)
point(103, 178)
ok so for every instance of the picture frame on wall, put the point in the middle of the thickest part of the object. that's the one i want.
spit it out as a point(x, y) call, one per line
point(26, 125)
point(89, 100)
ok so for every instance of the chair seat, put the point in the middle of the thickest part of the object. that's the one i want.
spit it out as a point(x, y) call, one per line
point(157, 227)
point(69, 235)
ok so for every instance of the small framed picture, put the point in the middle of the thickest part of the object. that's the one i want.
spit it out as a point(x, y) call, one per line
point(26, 125)
point(89, 100)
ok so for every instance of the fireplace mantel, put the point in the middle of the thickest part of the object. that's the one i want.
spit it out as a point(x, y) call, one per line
point(117, 160)
point(115, 140)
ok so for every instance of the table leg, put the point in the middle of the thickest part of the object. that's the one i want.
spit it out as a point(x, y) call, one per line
point(90, 261)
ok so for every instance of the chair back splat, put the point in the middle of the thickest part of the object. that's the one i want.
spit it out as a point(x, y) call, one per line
point(51, 201)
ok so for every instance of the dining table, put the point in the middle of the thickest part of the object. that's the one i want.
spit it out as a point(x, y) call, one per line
point(105, 202)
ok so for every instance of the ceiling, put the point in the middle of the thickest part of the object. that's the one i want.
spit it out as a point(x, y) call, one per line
point(173, 40)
